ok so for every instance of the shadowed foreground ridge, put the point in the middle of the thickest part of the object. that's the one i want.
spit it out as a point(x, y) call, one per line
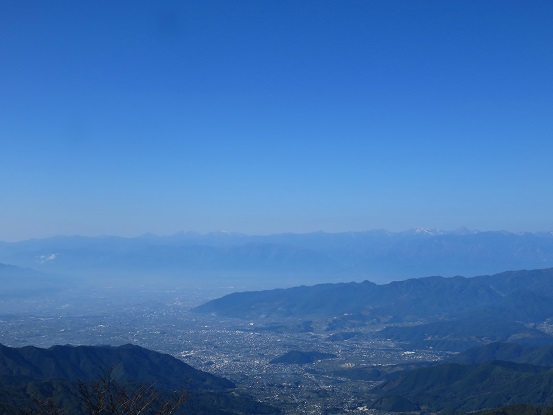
point(468, 388)
point(55, 374)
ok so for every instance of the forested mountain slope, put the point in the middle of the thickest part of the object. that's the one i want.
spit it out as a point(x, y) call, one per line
point(30, 374)
point(516, 295)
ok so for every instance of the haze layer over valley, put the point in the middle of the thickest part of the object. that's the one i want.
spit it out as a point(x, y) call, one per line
point(276, 261)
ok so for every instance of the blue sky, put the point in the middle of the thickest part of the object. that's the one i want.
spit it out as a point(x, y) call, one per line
point(274, 116)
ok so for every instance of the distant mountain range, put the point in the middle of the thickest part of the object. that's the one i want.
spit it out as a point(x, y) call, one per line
point(31, 374)
point(286, 259)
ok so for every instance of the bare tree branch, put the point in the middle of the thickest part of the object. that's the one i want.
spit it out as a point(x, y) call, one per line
point(105, 396)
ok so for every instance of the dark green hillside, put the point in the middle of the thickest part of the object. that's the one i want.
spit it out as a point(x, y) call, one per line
point(512, 352)
point(433, 297)
point(472, 387)
point(463, 334)
point(522, 304)
point(518, 296)
point(129, 363)
point(521, 409)
point(536, 280)
point(400, 300)
point(32, 373)
point(394, 403)
point(372, 373)
point(322, 299)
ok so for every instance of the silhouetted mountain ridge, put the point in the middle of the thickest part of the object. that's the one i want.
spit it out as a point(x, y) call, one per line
point(128, 362)
point(523, 295)
point(33, 373)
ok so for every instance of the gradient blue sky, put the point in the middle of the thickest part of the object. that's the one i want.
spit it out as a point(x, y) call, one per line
point(124, 117)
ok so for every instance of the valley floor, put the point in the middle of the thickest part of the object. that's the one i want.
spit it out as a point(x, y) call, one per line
point(236, 349)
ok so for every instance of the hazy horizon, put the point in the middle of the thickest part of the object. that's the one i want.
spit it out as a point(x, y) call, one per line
point(222, 231)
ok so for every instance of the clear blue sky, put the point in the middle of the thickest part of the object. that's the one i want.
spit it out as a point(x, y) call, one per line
point(124, 117)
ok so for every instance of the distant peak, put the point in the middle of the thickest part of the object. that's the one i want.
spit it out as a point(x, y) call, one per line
point(425, 231)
